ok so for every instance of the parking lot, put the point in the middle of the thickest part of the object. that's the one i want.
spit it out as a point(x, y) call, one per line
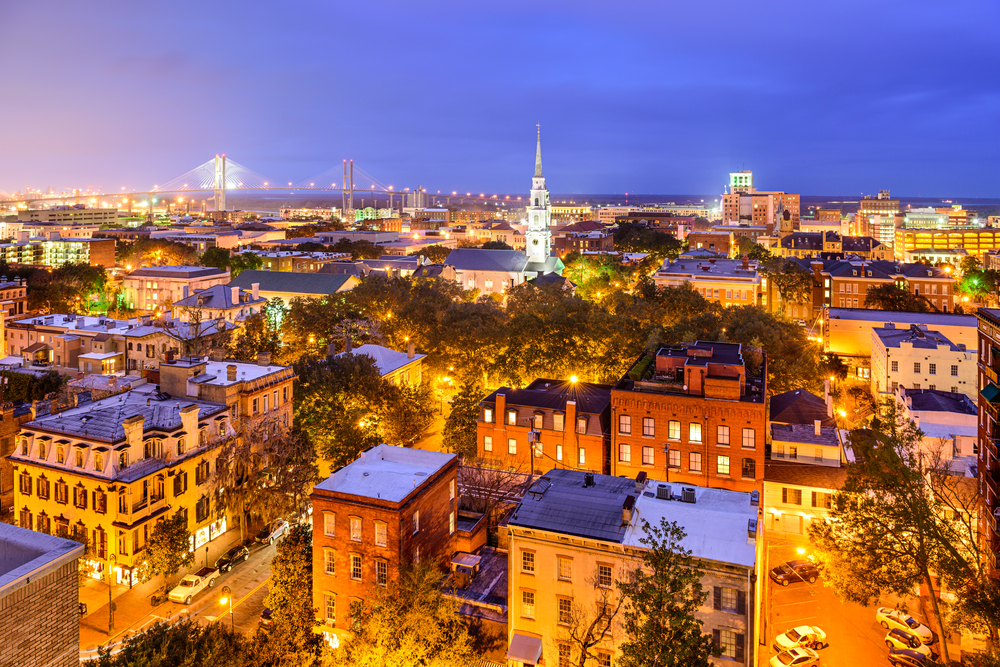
point(855, 638)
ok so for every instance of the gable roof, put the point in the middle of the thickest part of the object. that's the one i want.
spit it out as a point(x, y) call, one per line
point(553, 394)
point(218, 296)
point(477, 259)
point(291, 282)
point(386, 360)
point(804, 474)
point(799, 406)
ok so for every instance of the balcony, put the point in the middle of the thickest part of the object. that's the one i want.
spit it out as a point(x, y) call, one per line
point(141, 510)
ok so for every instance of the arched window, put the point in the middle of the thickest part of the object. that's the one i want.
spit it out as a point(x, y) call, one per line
point(536, 201)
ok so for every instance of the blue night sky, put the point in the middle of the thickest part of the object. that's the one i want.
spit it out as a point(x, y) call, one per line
point(839, 97)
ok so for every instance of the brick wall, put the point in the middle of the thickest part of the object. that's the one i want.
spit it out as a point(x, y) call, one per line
point(40, 622)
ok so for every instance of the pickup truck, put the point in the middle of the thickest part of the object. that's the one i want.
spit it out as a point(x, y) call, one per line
point(193, 584)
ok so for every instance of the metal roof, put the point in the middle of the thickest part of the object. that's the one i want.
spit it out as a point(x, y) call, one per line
point(292, 282)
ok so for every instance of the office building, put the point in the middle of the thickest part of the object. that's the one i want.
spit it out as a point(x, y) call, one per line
point(70, 215)
point(974, 240)
point(151, 288)
point(918, 358)
point(744, 204)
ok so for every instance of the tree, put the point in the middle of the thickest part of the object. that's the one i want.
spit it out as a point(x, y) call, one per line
point(459, 434)
point(217, 257)
point(633, 237)
point(407, 623)
point(289, 594)
point(753, 250)
point(261, 332)
point(834, 366)
point(897, 297)
point(590, 626)
point(168, 548)
point(362, 249)
point(246, 261)
point(155, 252)
point(496, 245)
point(491, 486)
point(407, 414)
point(794, 283)
point(436, 253)
point(186, 642)
point(901, 521)
point(664, 594)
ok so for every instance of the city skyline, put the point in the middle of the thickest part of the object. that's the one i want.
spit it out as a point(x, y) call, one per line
point(130, 98)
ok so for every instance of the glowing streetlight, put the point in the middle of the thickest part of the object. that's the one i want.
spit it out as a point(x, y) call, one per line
point(573, 379)
point(227, 596)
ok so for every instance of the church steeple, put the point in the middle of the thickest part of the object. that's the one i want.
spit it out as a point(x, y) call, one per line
point(538, 153)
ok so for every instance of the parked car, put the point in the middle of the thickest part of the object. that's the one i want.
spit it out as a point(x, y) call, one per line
point(908, 657)
point(193, 584)
point(265, 621)
point(272, 533)
point(890, 618)
point(794, 571)
point(804, 635)
point(899, 638)
point(796, 657)
point(235, 555)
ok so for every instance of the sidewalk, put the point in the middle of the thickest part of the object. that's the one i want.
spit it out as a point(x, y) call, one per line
point(132, 606)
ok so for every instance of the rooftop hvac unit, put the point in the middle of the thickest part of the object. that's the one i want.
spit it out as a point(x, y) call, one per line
point(752, 529)
point(754, 498)
point(462, 576)
point(663, 492)
point(687, 494)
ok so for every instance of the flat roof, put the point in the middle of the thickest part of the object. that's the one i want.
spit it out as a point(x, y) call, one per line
point(386, 472)
point(26, 554)
point(216, 372)
point(864, 314)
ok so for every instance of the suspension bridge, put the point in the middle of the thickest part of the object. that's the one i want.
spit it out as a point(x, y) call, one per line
point(222, 175)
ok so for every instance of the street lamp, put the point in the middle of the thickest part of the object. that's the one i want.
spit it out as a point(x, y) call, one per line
point(111, 605)
point(227, 596)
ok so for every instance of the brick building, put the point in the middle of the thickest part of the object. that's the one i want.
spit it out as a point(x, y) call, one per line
point(549, 423)
point(693, 414)
point(39, 592)
point(391, 506)
point(989, 432)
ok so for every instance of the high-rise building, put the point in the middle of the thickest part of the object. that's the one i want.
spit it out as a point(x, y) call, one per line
point(744, 204)
point(539, 237)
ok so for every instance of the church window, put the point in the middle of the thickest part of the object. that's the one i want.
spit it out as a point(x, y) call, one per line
point(536, 204)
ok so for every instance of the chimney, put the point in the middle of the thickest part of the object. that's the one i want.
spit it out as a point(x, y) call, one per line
point(217, 353)
point(627, 508)
point(231, 373)
point(640, 482)
point(818, 426)
point(348, 345)
point(235, 292)
point(588, 479)
point(411, 349)
point(746, 262)
point(263, 358)
point(827, 397)
point(255, 290)
point(185, 291)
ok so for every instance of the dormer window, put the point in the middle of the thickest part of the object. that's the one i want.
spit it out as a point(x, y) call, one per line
point(512, 418)
point(123, 460)
point(488, 415)
point(98, 462)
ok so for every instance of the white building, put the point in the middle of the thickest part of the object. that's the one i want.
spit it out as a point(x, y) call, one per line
point(949, 424)
point(918, 358)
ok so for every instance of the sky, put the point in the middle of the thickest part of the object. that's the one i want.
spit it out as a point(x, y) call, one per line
point(826, 98)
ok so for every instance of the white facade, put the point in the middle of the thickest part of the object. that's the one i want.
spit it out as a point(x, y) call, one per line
point(539, 236)
point(930, 361)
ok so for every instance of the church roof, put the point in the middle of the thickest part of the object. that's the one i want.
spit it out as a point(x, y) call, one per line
point(477, 259)
point(538, 155)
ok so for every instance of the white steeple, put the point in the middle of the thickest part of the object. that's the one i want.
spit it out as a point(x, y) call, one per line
point(538, 237)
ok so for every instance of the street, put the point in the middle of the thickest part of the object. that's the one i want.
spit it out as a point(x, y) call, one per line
point(133, 610)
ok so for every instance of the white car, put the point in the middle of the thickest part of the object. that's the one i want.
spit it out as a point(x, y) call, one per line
point(796, 657)
point(804, 635)
point(899, 638)
point(273, 532)
point(890, 618)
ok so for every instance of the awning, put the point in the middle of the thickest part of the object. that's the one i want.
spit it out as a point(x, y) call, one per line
point(525, 649)
point(991, 392)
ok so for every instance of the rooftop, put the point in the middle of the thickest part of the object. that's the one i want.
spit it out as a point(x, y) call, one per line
point(804, 474)
point(290, 282)
point(799, 406)
point(477, 259)
point(936, 400)
point(219, 297)
point(215, 372)
point(386, 360)
point(715, 268)
point(180, 272)
point(917, 337)
point(553, 394)
point(386, 472)
point(26, 554)
point(864, 314)
point(805, 434)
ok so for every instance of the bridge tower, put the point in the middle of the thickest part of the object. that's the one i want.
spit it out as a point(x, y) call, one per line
point(220, 182)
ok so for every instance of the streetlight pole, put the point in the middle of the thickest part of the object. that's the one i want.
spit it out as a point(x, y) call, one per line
point(228, 597)
point(111, 604)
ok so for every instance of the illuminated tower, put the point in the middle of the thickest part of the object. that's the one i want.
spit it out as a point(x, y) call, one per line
point(539, 238)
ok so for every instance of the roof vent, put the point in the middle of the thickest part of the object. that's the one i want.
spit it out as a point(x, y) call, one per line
point(539, 488)
point(627, 508)
point(687, 494)
point(640, 481)
point(754, 498)
point(588, 479)
point(751, 530)
point(664, 492)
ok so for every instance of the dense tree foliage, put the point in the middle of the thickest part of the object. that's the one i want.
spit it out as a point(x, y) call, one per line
point(895, 297)
point(459, 435)
point(168, 548)
point(261, 332)
point(289, 594)
point(27, 387)
point(436, 253)
point(794, 283)
point(632, 237)
point(362, 249)
point(752, 249)
point(155, 252)
point(496, 245)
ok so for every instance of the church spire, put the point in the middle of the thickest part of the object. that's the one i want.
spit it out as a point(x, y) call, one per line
point(538, 154)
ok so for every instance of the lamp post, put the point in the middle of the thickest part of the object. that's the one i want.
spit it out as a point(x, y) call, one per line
point(111, 604)
point(227, 594)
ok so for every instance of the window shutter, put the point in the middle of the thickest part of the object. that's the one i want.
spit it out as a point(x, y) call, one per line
point(814, 498)
point(784, 495)
point(717, 637)
point(741, 602)
point(740, 639)
point(717, 600)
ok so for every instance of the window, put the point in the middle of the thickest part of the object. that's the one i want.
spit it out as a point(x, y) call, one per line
point(582, 456)
point(727, 643)
point(451, 523)
point(954, 371)
point(330, 608)
point(648, 427)
point(180, 483)
point(565, 568)
point(537, 422)
point(722, 465)
point(625, 424)
point(791, 496)
point(564, 655)
point(79, 458)
point(25, 484)
point(99, 462)
point(488, 415)
point(558, 422)
point(487, 443)
point(512, 418)
point(511, 446)
point(581, 425)
point(820, 499)
point(329, 562)
point(536, 447)
point(559, 453)
point(528, 562)
point(624, 453)
point(256, 406)
point(381, 534)
point(416, 521)
point(604, 575)
point(416, 555)
point(694, 432)
point(749, 469)
point(722, 435)
point(565, 611)
point(42, 487)
point(381, 572)
point(647, 456)
point(100, 502)
point(43, 449)
point(694, 461)
point(749, 438)
point(330, 524)
point(673, 430)
point(932, 369)
point(355, 529)
point(181, 445)
point(355, 567)
point(451, 490)
point(916, 366)
point(895, 366)
point(725, 598)
point(527, 604)
point(818, 455)
point(122, 461)
point(673, 458)
point(793, 452)
point(25, 519)
point(604, 659)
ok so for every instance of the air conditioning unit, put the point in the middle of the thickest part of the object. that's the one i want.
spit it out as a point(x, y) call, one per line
point(687, 494)
point(534, 436)
point(754, 498)
point(461, 576)
point(663, 492)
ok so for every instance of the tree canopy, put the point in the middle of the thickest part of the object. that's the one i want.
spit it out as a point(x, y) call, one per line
point(436, 253)
point(895, 297)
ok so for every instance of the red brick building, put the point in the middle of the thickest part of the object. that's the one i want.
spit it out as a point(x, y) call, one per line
point(548, 424)
point(695, 414)
point(989, 433)
point(391, 506)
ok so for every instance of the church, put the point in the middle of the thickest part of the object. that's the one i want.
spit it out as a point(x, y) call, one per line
point(495, 271)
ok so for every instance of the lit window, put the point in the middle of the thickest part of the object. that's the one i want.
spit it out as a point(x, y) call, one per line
point(528, 562)
point(451, 490)
point(558, 422)
point(727, 643)
point(330, 608)
point(330, 524)
point(581, 425)
point(694, 432)
point(487, 443)
point(355, 529)
point(511, 446)
point(749, 438)
point(722, 435)
point(583, 456)
point(381, 534)
point(624, 453)
point(674, 458)
point(625, 424)
point(488, 415)
point(527, 604)
point(512, 418)
point(647, 456)
point(648, 427)
point(416, 522)
point(356, 567)
point(694, 461)
point(722, 465)
point(559, 453)
point(451, 522)
point(329, 562)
